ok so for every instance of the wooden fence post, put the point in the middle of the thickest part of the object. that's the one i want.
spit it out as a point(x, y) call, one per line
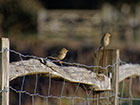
point(116, 75)
point(4, 71)
point(105, 58)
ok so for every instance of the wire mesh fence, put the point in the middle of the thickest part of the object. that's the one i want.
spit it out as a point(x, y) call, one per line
point(49, 90)
point(129, 91)
point(88, 94)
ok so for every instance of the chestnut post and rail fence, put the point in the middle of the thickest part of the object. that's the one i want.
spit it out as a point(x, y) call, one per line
point(108, 82)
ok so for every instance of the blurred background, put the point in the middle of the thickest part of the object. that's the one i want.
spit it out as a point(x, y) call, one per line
point(39, 27)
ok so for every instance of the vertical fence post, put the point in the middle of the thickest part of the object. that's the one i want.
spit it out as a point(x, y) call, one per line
point(105, 58)
point(116, 75)
point(4, 71)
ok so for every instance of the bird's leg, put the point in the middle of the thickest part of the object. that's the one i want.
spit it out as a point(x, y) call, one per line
point(60, 62)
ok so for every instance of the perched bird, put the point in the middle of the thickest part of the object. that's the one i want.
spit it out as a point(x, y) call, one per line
point(104, 41)
point(57, 56)
point(60, 55)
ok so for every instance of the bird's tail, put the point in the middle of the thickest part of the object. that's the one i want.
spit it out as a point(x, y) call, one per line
point(55, 58)
point(43, 61)
point(99, 49)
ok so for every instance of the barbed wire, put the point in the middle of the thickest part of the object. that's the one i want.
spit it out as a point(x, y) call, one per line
point(69, 63)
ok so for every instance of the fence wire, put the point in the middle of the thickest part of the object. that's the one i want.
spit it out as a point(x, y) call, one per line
point(128, 93)
point(88, 97)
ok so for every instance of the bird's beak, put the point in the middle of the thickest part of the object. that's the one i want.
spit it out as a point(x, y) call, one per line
point(109, 34)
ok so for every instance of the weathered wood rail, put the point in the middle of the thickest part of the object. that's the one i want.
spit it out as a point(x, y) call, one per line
point(70, 73)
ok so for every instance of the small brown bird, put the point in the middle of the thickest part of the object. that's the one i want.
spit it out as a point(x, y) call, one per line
point(60, 55)
point(104, 41)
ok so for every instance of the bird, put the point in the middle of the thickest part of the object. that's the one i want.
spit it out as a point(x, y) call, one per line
point(57, 56)
point(60, 55)
point(104, 41)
